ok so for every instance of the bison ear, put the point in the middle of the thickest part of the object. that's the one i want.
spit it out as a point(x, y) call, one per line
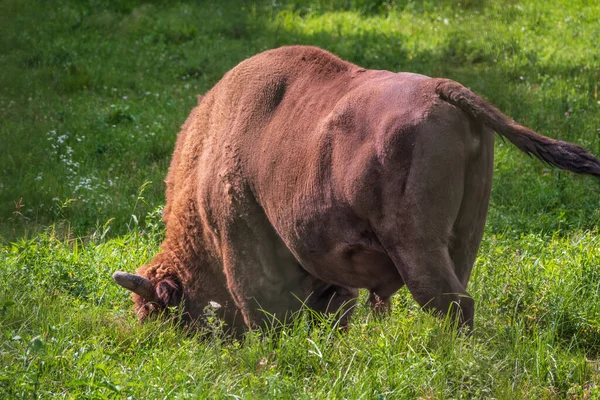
point(169, 292)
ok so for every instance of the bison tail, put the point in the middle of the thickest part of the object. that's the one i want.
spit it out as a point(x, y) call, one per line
point(561, 154)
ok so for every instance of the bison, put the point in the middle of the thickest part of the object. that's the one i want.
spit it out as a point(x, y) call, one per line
point(300, 178)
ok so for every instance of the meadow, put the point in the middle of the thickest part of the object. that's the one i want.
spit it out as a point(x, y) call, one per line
point(92, 94)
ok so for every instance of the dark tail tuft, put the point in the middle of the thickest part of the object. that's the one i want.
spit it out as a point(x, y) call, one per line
point(561, 154)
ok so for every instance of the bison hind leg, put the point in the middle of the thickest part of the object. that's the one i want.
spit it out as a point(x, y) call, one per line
point(432, 281)
point(380, 305)
point(336, 300)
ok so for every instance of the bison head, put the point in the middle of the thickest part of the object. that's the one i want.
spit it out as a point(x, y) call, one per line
point(151, 297)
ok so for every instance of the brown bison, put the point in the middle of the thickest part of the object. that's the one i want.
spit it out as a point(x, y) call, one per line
point(300, 178)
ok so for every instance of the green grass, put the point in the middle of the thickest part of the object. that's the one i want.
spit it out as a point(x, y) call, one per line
point(67, 331)
point(91, 97)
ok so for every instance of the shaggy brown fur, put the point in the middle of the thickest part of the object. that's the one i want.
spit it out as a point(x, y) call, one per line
point(301, 177)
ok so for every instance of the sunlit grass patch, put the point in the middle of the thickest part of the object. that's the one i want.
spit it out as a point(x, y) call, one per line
point(73, 332)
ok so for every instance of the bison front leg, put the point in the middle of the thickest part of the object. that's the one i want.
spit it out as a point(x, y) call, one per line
point(260, 292)
point(263, 277)
point(269, 285)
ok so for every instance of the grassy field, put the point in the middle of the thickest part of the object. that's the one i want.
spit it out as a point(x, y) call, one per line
point(92, 94)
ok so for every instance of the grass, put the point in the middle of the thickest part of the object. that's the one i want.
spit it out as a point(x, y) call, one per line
point(91, 98)
point(67, 332)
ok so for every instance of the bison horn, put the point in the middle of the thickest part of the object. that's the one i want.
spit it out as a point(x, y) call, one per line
point(137, 284)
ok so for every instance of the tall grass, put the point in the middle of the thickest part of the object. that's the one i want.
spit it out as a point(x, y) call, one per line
point(67, 332)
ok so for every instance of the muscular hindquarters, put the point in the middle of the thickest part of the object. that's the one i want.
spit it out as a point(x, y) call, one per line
point(469, 225)
point(432, 215)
